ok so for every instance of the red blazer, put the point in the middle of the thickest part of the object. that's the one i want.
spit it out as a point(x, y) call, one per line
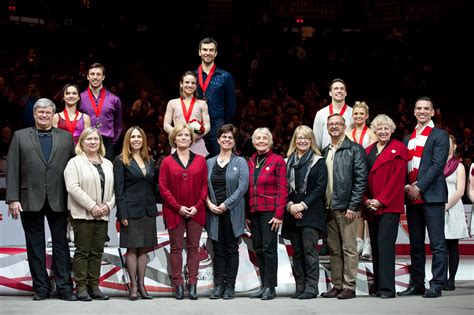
point(270, 192)
point(183, 187)
point(387, 178)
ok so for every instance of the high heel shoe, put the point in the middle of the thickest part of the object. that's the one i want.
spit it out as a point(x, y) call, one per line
point(133, 294)
point(144, 295)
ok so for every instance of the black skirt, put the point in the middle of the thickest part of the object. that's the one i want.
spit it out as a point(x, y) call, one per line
point(139, 233)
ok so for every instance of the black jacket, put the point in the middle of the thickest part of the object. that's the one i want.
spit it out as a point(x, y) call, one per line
point(133, 190)
point(315, 215)
point(350, 176)
point(431, 180)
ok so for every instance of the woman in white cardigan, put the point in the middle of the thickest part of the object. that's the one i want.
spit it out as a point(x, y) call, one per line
point(90, 184)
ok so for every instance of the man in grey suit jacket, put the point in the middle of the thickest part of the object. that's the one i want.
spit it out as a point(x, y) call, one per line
point(35, 190)
point(427, 195)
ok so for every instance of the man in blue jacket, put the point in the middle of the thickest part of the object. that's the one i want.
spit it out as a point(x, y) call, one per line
point(217, 88)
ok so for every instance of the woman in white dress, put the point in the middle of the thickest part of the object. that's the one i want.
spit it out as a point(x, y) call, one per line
point(187, 109)
point(362, 134)
point(455, 226)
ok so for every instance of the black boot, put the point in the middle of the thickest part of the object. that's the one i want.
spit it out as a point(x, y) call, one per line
point(229, 293)
point(217, 292)
point(192, 292)
point(180, 292)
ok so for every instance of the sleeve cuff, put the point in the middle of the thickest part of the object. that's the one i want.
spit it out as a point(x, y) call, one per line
point(288, 205)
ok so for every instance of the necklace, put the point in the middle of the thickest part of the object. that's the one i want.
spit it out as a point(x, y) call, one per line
point(222, 160)
point(94, 161)
point(259, 163)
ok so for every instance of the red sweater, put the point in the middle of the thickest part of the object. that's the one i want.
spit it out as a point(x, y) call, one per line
point(270, 193)
point(183, 187)
point(387, 178)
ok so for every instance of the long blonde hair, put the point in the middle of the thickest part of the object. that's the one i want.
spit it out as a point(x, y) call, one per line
point(127, 152)
point(307, 132)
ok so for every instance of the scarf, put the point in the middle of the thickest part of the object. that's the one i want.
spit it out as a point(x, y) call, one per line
point(451, 166)
point(416, 145)
point(303, 166)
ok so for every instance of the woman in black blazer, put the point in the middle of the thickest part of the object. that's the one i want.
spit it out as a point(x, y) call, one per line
point(136, 207)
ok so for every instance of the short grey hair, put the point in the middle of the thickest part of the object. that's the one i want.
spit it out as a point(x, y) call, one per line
point(265, 131)
point(43, 103)
point(382, 119)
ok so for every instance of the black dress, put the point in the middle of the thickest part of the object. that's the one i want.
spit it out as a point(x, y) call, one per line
point(135, 202)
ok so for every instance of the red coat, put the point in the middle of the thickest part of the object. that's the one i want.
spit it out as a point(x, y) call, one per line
point(183, 187)
point(387, 178)
point(270, 192)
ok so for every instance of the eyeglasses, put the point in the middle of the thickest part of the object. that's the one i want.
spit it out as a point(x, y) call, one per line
point(227, 137)
point(302, 138)
point(338, 124)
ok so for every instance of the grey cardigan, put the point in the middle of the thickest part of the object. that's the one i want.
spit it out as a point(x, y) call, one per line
point(237, 182)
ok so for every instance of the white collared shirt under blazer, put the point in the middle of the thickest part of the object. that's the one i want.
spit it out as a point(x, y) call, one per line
point(84, 187)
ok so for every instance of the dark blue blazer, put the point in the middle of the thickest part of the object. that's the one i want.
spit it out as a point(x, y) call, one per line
point(431, 180)
point(133, 190)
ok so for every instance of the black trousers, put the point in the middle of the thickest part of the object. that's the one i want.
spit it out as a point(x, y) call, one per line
point(33, 225)
point(431, 217)
point(109, 148)
point(305, 259)
point(383, 236)
point(211, 137)
point(226, 253)
point(264, 242)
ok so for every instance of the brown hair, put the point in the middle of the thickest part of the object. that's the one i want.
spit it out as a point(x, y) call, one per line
point(181, 81)
point(96, 65)
point(208, 40)
point(335, 81)
point(227, 128)
point(74, 86)
point(127, 152)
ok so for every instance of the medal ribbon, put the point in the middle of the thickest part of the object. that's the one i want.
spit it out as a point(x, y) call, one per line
point(343, 109)
point(71, 125)
point(187, 113)
point(208, 79)
point(361, 139)
point(97, 109)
